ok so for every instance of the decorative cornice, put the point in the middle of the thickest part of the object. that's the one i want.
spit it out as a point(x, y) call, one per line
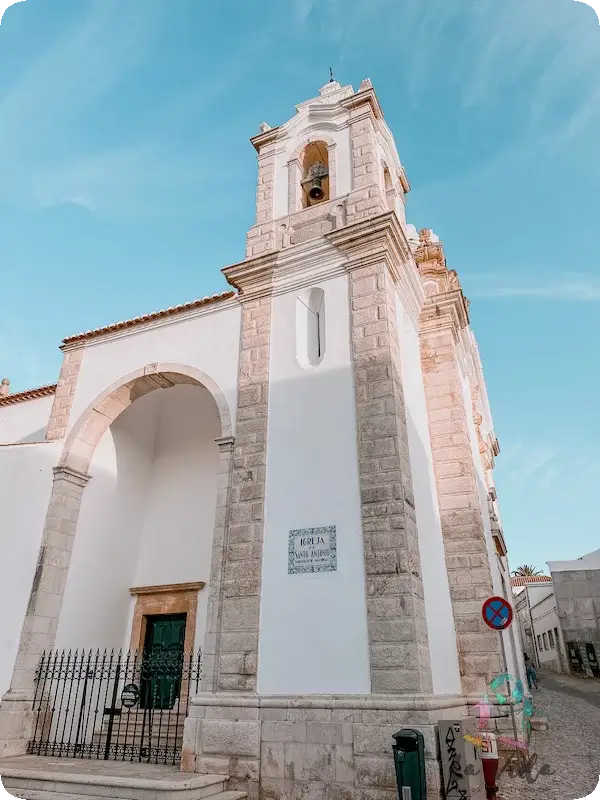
point(268, 137)
point(443, 311)
point(253, 277)
point(280, 271)
point(382, 239)
point(168, 588)
point(366, 96)
point(72, 475)
point(225, 443)
point(307, 263)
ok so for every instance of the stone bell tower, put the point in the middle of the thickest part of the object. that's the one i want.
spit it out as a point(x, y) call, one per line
point(341, 134)
point(313, 661)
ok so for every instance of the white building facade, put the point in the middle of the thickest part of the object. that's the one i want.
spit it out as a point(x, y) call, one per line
point(299, 471)
point(539, 625)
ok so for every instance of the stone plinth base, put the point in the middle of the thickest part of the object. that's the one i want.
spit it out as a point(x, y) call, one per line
point(317, 747)
point(16, 724)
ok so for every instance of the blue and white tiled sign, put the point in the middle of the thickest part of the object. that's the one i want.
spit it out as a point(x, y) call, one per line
point(312, 550)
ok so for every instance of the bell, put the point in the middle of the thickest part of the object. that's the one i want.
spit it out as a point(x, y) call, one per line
point(313, 182)
point(316, 191)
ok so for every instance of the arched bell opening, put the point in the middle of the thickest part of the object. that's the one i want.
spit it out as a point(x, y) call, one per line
point(315, 181)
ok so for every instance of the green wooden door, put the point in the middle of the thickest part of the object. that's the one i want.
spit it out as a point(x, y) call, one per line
point(162, 663)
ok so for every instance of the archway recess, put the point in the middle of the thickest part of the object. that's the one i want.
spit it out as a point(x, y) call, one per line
point(102, 412)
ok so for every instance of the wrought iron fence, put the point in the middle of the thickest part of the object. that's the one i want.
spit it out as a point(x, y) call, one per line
point(113, 705)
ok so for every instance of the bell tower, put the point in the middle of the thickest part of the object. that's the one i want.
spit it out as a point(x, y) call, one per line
point(332, 463)
point(333, 163)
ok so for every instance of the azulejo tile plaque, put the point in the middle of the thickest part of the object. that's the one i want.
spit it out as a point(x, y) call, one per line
point(312, 550)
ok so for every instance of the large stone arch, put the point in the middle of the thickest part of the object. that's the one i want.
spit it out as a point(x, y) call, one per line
point(92, 424)
point(70, 478)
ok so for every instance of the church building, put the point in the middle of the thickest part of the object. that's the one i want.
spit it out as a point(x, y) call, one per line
point(251, 535)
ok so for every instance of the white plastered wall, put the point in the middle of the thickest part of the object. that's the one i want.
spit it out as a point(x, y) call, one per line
point(313, 631)
point(438, 605)
point(208, 342)
point(25, 421)
point(25, 485)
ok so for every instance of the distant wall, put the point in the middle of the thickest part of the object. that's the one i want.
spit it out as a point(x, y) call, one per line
point(578, 602)
point(25, 421)
point(546, 622)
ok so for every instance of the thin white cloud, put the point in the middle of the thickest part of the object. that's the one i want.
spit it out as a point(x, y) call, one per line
point(73, 73)
point(573, 288)
point(302, 10)
point(566, 466)
point(46, 159)
point(523, 462)
point(540, 57)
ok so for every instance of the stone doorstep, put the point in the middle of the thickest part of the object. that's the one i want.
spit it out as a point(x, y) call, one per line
point(33, 794)
point(39, 778)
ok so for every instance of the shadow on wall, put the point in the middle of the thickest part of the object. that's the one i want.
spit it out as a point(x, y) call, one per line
point(147, 515)
point(36, 436)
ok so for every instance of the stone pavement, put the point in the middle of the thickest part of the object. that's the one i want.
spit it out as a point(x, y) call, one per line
point(571, 747)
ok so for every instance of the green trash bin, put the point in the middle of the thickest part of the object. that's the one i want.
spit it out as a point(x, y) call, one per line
point(409, 761)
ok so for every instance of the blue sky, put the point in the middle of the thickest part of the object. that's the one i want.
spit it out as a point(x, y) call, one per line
point(127, 182)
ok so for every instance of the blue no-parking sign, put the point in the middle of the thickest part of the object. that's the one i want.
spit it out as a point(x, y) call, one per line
point(497, 613)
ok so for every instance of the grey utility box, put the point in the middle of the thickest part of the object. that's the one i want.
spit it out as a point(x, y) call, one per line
point(461, 763)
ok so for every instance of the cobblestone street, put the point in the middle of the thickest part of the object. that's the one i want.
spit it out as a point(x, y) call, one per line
point(571, 747)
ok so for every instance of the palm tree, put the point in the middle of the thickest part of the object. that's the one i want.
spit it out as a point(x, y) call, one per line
point(527, 570)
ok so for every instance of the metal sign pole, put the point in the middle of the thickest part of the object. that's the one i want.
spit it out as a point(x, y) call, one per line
point(497, 614)
point(510, 697)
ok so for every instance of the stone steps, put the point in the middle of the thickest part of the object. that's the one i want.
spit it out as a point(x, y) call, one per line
point(39, 778)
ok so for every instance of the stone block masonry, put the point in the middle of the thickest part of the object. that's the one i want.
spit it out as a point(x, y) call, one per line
point(398, 645)
point(63, 398)
point(327, 748)
point(238, 621)
point(465, 546)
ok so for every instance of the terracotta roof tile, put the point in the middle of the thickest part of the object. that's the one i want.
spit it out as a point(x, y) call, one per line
point(524, 580)
point(166, 312)
point(28, 394)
